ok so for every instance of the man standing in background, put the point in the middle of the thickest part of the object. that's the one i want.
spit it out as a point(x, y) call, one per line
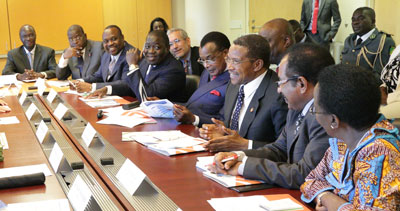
point(316, 16)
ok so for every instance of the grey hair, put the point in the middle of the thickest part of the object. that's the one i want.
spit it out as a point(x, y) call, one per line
point(183, 32)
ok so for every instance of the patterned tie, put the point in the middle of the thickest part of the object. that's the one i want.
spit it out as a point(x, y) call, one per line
point(111, 65)
point(315, 17)
point(298, 123)
point(30, 60)
point(239, 104)
point(186, 66)
point(80, 64)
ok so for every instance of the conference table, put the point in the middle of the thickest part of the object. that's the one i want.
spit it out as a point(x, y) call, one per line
point(176, 176)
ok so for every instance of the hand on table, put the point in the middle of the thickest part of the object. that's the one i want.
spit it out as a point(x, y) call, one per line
point(210, 131)
point(230, 167)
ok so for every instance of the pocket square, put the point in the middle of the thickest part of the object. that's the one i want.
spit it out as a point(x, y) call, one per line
point(215, 92)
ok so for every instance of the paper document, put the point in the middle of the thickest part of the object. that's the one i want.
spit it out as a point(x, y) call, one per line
point(3, 140)
point(9, 120)
point(104, 102)
point(281, 204)
point(48, 205)
point(159, 108)
point(126, 118)
point(58, 83)
point(24, 170)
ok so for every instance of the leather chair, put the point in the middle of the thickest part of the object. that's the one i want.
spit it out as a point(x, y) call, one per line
point(192, 83)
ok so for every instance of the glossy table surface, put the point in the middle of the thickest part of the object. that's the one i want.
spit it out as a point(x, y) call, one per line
point(176, 176)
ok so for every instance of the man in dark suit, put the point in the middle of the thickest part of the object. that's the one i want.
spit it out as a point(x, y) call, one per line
point(82, 58)
point(252, 106)
point(303, 141)
point(299, 35)
point(208, 100)
point(113, 67)
point(279, 34)
point(179, 46)
point(316, 17)
point(31, 60)
point(367, 46)
point(159, 74)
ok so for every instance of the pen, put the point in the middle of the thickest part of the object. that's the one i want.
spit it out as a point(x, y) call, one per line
point(70, 82)
point(229, 158)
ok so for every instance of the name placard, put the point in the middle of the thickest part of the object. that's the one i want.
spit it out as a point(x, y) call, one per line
point(79, 194)
point(60, 111)
point(55, 157)
point(130, 176)
point(52, 95)
point(30, 111)
point(23, 97)
point(41, 131)
point(88, 134)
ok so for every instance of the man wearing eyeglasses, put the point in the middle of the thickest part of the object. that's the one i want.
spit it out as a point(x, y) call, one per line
point(252, 106)
point(31, 60)
point(208, 100)
point(82, 58)
point(303, 141)
point(179, 46)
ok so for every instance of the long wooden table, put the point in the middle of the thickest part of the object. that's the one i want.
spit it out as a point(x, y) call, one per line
point(176, 176)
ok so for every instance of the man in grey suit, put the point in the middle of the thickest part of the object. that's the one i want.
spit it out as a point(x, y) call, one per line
point(113, 67)
point(252, 105)
point(82, 58)
point(303, 141)
point(31, 60)
point(316, 17)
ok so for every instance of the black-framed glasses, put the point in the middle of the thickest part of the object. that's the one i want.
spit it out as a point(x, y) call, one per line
point(313, 111)
point(281, 82)
point(229, 60)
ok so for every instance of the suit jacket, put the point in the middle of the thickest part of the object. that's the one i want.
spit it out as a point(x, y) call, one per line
point(93, 52)
point(166, 80)
point(266, 114)
point(350, 51)
point(208, 100)
point(288, 160)
point(118, 75)
point(328, 9)
point(197, 68)
point(43, 61)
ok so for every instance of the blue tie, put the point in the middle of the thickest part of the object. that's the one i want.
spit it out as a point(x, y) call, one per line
point(80, 64)
point(146, 79)
point(239, 104)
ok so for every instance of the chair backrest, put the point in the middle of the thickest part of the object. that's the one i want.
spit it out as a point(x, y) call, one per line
point(192, 83)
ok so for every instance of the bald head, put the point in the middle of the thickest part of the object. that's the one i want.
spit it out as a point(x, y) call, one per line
point(27, 35)
point(279, 34)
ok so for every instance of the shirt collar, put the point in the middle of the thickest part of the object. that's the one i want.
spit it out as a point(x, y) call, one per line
point(32, 51)
point(252, 86)
point(187, 57)
point(304, 38)
point(116, 57)
point(307, 107)
point(367, 35)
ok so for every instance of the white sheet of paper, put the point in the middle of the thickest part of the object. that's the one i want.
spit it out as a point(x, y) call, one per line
point(130, 176)
point(55, 157)
point(52, 94)
point(60, 111)
point(88, 134)
point(124, 121)
point(281, 204)
point(58, 83)
point(23, 97)
point(48, 205)
point(41, 131)
point(30, 111)
point(9, 120)
point(7, 79)
point(242, 203)
point(40, 83)
point(24, 170)
point(3, 140)
point(79, 194)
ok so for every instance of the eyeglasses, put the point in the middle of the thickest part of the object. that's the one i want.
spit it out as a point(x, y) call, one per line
point(176, 41)
point(209, 60)
point(313, 111)
point(76, 38)
point(281, 82)
point(229, 60)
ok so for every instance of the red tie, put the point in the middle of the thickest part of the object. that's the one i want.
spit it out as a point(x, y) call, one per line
point(214, 77)
point(315, 17)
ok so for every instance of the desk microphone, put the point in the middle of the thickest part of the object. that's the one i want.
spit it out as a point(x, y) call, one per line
point(131, 105)
point(100, 114)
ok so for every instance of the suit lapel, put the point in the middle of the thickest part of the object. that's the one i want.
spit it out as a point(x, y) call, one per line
point(107, 63)
point(38, 55)
point(230, 102)
point(86, 61)
point(254, 103)
point(118, 64)
point(24, 57)
point(321, 7)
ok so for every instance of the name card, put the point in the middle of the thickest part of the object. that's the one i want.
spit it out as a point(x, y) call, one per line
point(41, 131)
point(40, 83)
point(30, 111)
point(60, 111)
point(130, 176)
point(52, 95)
point(79, 194)
point(88, 134)
point(23, 97)
point(55, 157)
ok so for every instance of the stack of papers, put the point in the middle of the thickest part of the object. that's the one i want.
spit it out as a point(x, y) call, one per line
point(48, 205)
point(105, 101)
point(126, 118)
point(159, 108)
point(9, 120)
point(9, 86)
point(167, 143)
point(256, 203)
point(58, 84)
point(225, 180)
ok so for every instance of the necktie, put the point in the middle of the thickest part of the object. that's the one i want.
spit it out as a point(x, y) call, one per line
point(146, 79)
point(359, 41)
point(30, 60)
point(239, 104)
point(298, 123)
point(214, 77)
point(80, 64)
point(186, 66)
point(315, 17)
point(111, 66)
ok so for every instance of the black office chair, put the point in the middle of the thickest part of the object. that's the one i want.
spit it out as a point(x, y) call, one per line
point(192, 83)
